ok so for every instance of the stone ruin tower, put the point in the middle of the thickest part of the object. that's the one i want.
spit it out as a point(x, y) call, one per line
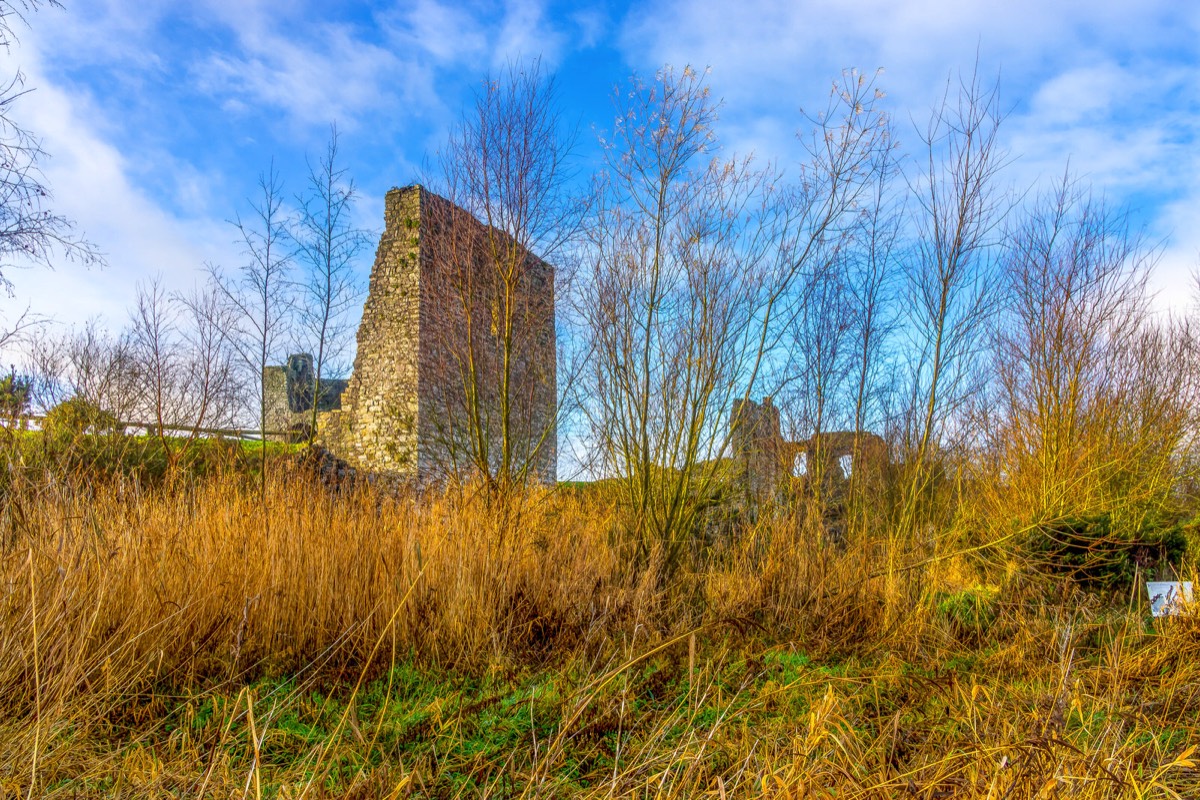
point(768, 465)
point(758, 448)
point(291, 394)
point(433, 317)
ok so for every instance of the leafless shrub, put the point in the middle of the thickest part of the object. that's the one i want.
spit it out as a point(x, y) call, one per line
point(328, 245)
point(506, 164)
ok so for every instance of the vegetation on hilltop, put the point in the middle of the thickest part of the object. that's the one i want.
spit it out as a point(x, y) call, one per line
point(194, 640)
point(178, 619)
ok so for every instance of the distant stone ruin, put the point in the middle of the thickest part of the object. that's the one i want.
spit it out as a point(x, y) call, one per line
point(432, 319)
point(290, 391)
point(758, 448)
point(767, 464)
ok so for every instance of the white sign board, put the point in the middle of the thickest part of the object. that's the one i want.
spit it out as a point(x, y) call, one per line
point(1167, 598)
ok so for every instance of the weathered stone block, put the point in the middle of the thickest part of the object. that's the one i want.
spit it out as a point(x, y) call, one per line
point(409, 408)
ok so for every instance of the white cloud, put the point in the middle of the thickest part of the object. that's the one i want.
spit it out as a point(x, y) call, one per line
point(1081, 94)
point(445, 31)
point(476, 36)
point(333, 76)
point(91, 183)
point(152, 210)
point(591, 26)
point(97, 32)
point(526, 33)
point(1109, 85)
point(1173, 278)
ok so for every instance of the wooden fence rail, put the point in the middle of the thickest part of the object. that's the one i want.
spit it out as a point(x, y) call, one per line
point(152, 427)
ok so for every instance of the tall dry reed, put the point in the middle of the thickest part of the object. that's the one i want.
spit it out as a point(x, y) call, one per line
point(122, 608)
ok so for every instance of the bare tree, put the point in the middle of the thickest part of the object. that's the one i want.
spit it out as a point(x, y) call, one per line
point(1149, 419)
point(875, 264)
point(1074, 349)
point(871, 283)
point(506, 164)
point(672, 275)
point(957, 213)
point(257, 294)
point(88, 363)
point(328, 243)
point(21, 329)
point(183, 365)
point(214, 389)
point(699, 267)
point(834, 364)
point(155, 348)
point(810, 316)
point(822, 364)
point(13, 12)
point(29, 231)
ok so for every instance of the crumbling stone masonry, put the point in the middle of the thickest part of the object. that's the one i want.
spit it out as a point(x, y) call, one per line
point(290, 391)
point(767, 463)
point(759, 451)
point(431, 321)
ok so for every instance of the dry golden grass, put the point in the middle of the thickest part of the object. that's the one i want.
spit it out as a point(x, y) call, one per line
point(197, 641)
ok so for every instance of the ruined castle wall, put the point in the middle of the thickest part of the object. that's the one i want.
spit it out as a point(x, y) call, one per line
point(758, 447)
point(427, 378)
point(831, 454)
point(767, 462)
point(537, 366)
point(464, 307)
point(376, 428)
point(274, 386)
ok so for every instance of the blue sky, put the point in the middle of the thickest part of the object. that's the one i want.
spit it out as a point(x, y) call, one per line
point(159, 114)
